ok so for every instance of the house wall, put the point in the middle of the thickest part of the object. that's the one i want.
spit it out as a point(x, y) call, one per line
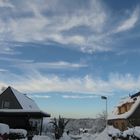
point(9, 101)
point(134, 119)
point(120, 124)
point(15, 122)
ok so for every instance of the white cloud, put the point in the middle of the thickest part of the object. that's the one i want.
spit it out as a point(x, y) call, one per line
point(129, 23)
point(16, 60)
point(3, 70)
point(51, 21)
point(35, 82)
point(39, 96)
point(51, 65)
point(43, 28)
point(6, 3)
point(78, 97)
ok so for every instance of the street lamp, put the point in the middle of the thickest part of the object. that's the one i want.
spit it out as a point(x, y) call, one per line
point(105, 98)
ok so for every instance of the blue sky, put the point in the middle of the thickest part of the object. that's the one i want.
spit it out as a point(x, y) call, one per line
point(65, 54)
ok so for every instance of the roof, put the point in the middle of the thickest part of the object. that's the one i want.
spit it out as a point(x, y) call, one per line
point(29, 107)
point(22, 113)
point(135, 95)
point(127, 114)
point(24, 100)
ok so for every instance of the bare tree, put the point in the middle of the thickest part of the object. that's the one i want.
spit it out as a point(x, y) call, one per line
point(59, 126)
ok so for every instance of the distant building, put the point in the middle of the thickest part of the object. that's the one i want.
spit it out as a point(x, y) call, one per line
point(19, 111)
point(127, 113)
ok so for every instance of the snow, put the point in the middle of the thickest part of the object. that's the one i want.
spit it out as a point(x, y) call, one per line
point(65, 137)
point(137, 132)
point(113, 131)
point(4, 129)
point(26, 102)
point(19, 131)
point(126, 100)
point(128, 132)
point(100, 136)
point(87, 136)
point(103, 135)
point(41, 138)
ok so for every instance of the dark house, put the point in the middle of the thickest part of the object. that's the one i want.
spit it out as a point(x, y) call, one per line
point(127, 113)
point(19, 111)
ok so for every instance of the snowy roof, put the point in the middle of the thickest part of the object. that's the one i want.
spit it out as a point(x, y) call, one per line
point(125, 100)
point(26, 102)
point(22, 112)
point(125, 115)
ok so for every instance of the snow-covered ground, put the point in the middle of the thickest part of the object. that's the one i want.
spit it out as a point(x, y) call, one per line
point(101, 136)
point(86, 136)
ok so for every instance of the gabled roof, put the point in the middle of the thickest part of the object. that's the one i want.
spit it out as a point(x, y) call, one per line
point(127, 114)
point(29, 107)
point(24, 100)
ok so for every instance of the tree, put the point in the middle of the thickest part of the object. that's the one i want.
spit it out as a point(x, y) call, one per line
point(100, 123)
point(59, 126)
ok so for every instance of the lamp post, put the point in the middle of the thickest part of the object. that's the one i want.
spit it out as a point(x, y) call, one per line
point(105, 98)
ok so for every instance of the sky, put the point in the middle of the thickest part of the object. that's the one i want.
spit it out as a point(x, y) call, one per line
point(66, 54)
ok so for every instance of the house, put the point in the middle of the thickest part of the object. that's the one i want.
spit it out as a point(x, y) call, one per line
point(19, 111)
point(127, 113)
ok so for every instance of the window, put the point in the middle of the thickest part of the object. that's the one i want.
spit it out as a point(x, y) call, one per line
point(5, 104)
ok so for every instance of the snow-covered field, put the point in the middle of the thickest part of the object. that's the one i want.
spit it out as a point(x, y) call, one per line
point(131, 133)
point(101, 136)
point(86, 136)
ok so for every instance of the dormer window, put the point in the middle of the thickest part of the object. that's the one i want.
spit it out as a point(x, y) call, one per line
point(5, 104)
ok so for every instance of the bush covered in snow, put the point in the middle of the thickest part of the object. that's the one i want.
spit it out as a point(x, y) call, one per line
point(129, 134)
point(17, 133)
point(4, 129)
point(113, 132)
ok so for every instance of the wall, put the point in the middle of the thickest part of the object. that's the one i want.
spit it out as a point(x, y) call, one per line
point(9, 98)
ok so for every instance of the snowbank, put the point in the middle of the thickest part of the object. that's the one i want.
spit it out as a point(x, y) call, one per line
point(41, 138)
point(113, 131)
point(137, 132)
point(87, 136)
point(4, 129)
point(65, 137)
point(22, 132)
point(128, 132)
point(103, 135)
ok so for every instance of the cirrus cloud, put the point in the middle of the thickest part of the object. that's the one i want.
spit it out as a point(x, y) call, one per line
point(36, 82)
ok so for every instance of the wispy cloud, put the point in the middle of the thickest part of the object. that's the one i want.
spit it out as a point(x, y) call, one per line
point(78, 97)
point(42, 83)
point(40, 27)
point(6, 3)
point(3, 70)
point(39, 96)
point(62, 22)
point(129, 23)
point(16, 60)
point(53, 65)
